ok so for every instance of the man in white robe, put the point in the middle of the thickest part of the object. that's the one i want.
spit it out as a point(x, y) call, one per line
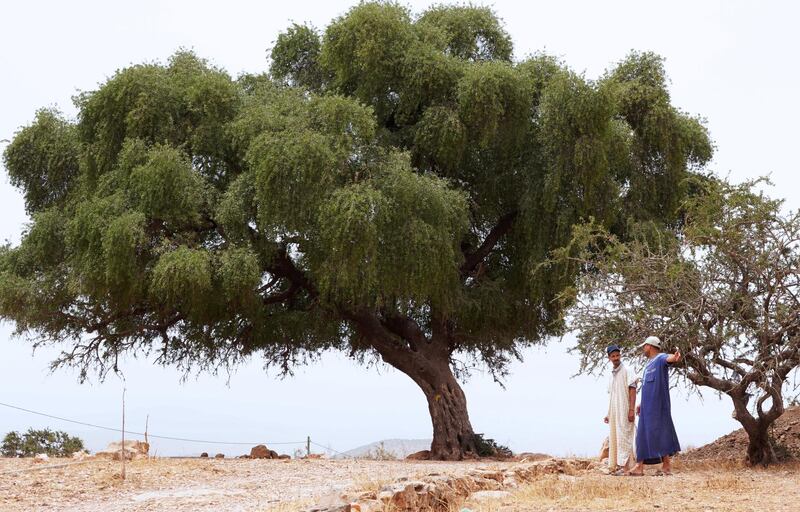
point(621, 414)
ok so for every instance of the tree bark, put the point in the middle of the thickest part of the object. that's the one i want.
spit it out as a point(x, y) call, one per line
point(759, 447)
point(453, 436)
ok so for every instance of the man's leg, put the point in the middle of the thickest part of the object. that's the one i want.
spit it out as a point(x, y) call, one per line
point(666, 466)
point(637, 470)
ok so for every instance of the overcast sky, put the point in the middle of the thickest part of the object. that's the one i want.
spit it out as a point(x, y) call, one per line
point(732, 62)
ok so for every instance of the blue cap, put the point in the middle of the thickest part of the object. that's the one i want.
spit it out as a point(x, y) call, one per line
point(613, 348)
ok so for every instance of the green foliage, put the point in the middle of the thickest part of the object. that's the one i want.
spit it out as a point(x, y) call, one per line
point(295, 57)
point(42, 160)
point(490, 448)
point(469, 32)
point(182, 277)
point(33, 442)
point(166, 188)
point(206, 219)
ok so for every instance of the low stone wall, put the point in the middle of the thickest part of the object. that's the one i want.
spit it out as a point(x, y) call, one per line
point(437, 492)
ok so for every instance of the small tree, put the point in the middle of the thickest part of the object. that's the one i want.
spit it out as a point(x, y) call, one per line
point(724, 289)
point(53, 443)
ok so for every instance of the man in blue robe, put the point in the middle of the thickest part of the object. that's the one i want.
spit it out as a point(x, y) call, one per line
point(656, 440)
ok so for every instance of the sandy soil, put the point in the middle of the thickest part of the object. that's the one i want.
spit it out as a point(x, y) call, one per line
point(197, 484)
point(161, 485)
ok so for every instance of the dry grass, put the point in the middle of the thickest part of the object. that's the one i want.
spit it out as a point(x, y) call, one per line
point(727, 487)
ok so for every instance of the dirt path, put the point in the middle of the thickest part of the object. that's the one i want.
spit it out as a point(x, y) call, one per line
point(197, 484)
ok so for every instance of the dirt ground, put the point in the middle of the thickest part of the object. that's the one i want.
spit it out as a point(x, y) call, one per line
point(184, 485)
point(181, 485)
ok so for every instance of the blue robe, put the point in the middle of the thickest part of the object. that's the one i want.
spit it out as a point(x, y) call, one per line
point(655, 435)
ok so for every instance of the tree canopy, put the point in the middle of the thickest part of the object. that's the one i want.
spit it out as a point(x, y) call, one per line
point(386, 190)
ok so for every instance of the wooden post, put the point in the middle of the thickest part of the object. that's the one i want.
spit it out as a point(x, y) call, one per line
point(308, 447)
point(123, 433)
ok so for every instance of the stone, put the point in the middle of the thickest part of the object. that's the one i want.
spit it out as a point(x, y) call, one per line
point(219, 456)
point(41, 457)
point(490, 495)
point(80, 455)
point(204, 455)
point(422, 455)
point(283, 456)
point(260, 452)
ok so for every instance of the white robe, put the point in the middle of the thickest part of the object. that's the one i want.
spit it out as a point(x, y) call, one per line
point(621, 435)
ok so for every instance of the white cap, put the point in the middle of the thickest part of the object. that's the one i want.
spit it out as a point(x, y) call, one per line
point(652, 340)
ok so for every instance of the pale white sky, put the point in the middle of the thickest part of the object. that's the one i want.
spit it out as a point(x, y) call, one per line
point(733, 62)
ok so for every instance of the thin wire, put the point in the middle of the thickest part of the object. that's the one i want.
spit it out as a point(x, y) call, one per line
point(141, 433)
point(332, 450)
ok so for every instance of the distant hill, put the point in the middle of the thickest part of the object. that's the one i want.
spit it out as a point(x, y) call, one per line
point(399, 448)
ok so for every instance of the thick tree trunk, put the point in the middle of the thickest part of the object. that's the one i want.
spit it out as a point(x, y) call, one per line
point(427, 362)
point(759, 448)
point(429, 368)
point(453, 437)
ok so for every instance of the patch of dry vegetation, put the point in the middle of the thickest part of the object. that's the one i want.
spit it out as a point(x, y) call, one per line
point(728, 486)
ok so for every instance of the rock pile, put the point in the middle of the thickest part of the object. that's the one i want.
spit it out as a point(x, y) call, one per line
point(132, 450)
point(436, 492)
point(262, 452)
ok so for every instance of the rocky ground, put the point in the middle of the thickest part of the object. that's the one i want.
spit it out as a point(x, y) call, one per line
point(181, 485)
point(733, 446)
point(184, 485)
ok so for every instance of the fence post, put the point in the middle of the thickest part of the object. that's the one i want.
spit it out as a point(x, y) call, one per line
point(308, 447)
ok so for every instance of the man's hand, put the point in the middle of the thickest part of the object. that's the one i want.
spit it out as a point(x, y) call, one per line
point(674, 358)
point(638, 410)
point(605, 420)
point(631, 416)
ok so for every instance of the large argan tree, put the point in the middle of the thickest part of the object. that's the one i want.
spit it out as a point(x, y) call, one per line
point(385, 190)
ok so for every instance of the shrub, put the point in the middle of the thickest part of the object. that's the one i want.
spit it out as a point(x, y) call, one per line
point(53, 443)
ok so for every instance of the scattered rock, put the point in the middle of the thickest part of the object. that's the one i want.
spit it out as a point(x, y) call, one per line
point(260, 452)
point(131, 450)
point(80, 455)
point(41, 457)
point(438, 492)
point(422, 455)
point(204, 455)
point(531, 457)
point(283, 456)
point(219, 456)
